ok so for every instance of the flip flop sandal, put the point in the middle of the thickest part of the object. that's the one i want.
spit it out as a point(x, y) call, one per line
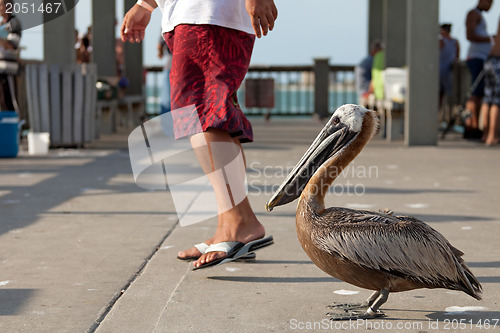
point(235, 250)
point(202, 247)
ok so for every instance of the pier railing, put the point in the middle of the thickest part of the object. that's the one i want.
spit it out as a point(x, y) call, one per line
point(282, 90)
point(152, 88)
point(294, 89)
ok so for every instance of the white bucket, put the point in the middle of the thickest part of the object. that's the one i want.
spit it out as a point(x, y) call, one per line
point(38, 143)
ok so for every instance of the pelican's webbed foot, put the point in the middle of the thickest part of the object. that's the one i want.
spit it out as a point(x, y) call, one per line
point(348, 306)
point(372, 305)
point(349, 315)
point(355, 306)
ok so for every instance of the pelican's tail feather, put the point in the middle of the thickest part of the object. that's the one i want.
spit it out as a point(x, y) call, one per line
point(474, 287)
point(469, 284)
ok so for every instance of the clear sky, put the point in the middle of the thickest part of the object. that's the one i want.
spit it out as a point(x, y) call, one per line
point(304, 30)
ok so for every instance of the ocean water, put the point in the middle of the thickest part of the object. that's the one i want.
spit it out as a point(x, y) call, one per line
point(290, 101)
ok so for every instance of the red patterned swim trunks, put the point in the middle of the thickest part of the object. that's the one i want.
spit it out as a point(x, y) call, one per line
point(208, 65)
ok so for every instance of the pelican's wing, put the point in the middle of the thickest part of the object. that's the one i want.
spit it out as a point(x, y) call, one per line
point(400, 245)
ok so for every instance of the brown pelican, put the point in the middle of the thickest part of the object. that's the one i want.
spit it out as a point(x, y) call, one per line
point(371, 250)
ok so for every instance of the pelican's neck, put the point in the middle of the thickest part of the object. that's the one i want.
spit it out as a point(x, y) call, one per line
point(317, 187)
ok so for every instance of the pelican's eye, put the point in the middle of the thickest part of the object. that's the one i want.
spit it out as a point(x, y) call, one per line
point(336, 120)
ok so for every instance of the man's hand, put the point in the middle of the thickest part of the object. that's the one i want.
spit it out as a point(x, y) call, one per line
point(134, 24)
point(263, 13)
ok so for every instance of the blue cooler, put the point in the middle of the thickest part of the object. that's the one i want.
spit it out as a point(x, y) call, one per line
point(9, 134)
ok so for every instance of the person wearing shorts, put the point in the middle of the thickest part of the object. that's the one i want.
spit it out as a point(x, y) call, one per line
point(211, 43)
point(490, 108)
point(10, 36)
point(480, 46)
point(449, 52)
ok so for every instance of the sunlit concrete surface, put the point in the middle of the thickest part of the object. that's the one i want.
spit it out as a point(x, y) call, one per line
point(82, 248)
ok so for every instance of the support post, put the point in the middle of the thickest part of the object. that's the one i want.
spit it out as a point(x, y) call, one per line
point(395, 36)
point(321, 73)
point(59, 38)
point(103, 37)
point(133, 61)
point(375, 20)
point(421, 105)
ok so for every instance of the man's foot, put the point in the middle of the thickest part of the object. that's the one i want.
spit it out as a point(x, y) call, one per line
point(491, 141)
point(189, 254)
point(232, 232)
point(193, 253)
point(196, 251)
point(235, 251)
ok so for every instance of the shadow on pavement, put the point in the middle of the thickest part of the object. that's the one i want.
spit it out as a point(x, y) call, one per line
point(12, 300)
point(272, 279)
point(489, 279)
point(487, 264)
point(470, 317)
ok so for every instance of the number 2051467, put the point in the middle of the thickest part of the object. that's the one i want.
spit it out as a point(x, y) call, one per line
point(481, 324)
point(32, 8)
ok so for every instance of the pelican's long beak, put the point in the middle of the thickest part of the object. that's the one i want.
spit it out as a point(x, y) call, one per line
point(331, 140)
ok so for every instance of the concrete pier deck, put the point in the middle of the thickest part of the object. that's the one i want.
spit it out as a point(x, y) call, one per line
point(84, 249)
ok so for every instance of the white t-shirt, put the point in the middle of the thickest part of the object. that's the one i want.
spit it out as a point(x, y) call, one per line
point(226, 13)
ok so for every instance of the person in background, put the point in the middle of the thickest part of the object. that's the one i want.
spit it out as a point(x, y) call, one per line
point(89, 36)
point(164, 51)
point(77, 40)
point(377, 84)
point(480, 45)
point(123, 81)
point(82, 53)
point(491, 102)
point(449, 52)
point(10, 37)
point(119, 55)
point(363, 71)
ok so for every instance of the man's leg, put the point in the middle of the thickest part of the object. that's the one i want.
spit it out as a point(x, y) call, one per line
point(485, 112)
point(492, 138)
point(236, 219)
point(473, 105)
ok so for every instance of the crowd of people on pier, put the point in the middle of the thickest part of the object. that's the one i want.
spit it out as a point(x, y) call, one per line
point(483, 63)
